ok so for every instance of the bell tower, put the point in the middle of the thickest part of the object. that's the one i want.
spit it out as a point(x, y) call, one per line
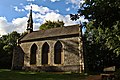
point(30, 22)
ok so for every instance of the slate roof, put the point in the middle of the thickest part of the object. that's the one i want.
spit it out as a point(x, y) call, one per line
point(54, 32)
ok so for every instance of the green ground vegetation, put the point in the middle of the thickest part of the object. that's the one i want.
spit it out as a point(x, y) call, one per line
point(22, 75)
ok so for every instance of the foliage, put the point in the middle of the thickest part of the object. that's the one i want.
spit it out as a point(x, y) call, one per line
point(98, 56)
point(104, 29)
point(50, 24)
point(105, 13)
point(117, 75)
point(7, 43)
point(105, 17)
point(102, 36)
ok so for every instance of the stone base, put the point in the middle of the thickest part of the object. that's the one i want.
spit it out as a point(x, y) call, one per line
point(71, 68)
point(16, 68)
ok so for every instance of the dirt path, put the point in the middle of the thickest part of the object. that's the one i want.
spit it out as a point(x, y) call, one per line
point(94, 77)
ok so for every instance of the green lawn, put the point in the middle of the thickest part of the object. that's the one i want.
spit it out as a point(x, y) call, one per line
point(21, 75)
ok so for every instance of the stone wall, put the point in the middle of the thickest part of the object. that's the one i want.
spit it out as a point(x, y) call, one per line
point(18, 58)
point(72, 59)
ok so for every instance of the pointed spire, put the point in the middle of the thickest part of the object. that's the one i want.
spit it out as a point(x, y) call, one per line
point(30, 22)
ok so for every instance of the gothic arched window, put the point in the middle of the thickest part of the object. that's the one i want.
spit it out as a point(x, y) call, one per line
point(33, 52)
point(45, 51)
point(57, 52)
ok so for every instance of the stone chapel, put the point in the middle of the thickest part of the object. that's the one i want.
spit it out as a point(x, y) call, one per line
point(56, 49)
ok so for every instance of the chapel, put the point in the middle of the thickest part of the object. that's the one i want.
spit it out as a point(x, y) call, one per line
point(56, 49)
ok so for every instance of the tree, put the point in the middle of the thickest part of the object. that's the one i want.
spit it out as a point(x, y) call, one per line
point(7, 43)
point(97, 54)
point(102, 36)
point(50, 24)
point(105, 16)
point(103, 28)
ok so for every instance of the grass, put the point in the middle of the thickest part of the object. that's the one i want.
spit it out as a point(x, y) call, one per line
point(21, 75)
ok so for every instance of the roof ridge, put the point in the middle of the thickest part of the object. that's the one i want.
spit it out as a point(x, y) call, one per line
point(58, 27)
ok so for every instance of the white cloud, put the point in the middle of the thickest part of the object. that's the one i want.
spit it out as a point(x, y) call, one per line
point(30, 0)
point(57, 10)
point(68, 9)
point(21, 4)
point(55, 17)
point(52, 16)
point(18, 10)
point(36, 26)
point(42, 14)
point(20, 24)
point(36, 8)
point(82, 19)
point(54, 0)
point(82, 1)
point(76, 3)
point(5, 26)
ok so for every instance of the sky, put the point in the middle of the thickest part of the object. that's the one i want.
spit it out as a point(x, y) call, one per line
point(14, 13)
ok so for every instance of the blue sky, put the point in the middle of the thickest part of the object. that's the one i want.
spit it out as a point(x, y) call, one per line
point(14, 13)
